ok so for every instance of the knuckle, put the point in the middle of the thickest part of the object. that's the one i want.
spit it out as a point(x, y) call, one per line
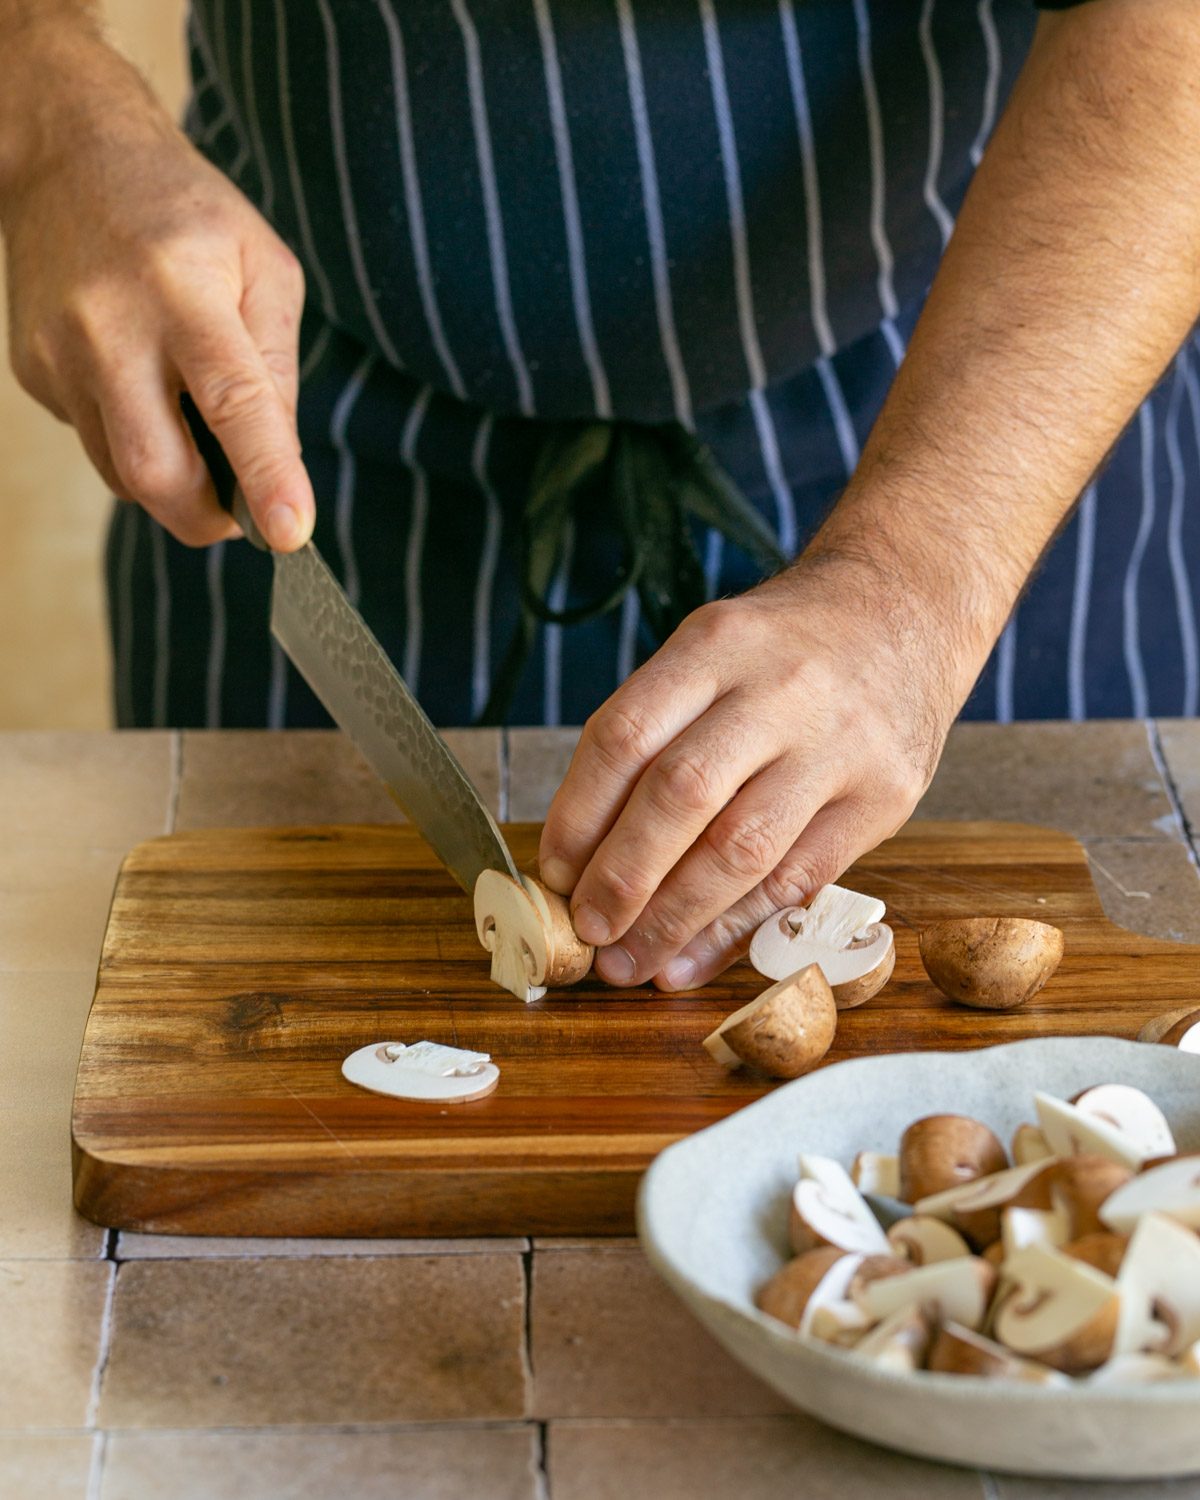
point(712, 624)
point(619, 889)
point(794, 882)
point(672, 929)
point(621, 733)
point(686, 782)
point(149, 476)
point(227, 399)
point(743, 849)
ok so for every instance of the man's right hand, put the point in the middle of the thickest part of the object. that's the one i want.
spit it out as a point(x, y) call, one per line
point(137, 271)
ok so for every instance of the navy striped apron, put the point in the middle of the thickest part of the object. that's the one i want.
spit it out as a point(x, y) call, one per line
point(526, 210)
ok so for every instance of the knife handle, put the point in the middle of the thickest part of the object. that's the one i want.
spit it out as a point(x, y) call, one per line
point(229, 491)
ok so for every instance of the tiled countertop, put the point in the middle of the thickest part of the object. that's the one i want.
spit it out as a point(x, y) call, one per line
point(139, 1368)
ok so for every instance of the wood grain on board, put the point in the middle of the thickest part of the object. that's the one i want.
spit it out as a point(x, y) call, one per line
point(241, 966)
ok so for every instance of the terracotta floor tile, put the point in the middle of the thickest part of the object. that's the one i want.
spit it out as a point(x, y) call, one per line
point(537, 763)
point(491, 1463)
point(217, 1247)
point(779, 1458)
point(1180, 739)
point(244, 778)
point(585, 1242)
point(1013, 1487)
point(1148, 886)
point(41, 1022)
point(250, 1343)
point(1093, 780)
point(51, 1314)
point(593, 1356)
point(35, 1467)
point(53, 914)
point(68, 792)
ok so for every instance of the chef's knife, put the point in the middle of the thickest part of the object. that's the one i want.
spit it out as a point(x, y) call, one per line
point(341, 660)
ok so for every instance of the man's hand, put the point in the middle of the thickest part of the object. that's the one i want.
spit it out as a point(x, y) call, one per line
point(137, 271)
point(771, 740)
point(776, 738)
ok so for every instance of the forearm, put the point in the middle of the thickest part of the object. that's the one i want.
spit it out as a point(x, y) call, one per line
point(1071, 279)
point(59, 76)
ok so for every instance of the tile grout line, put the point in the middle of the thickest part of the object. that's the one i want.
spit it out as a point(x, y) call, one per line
point(502, 797)
point(176, 779)
point(1161, 765)
point(541, 1474)
point(991, 1489)
point(95, 1476)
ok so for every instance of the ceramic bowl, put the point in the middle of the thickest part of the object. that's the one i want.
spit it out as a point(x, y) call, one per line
point(712, 1215)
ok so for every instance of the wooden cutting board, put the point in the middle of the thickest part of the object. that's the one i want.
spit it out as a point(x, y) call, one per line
point(241, 966)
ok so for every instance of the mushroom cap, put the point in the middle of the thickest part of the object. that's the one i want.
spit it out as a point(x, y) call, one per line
point(962, 1351)
point(993, 962)
point(811, 1280)
point(1079, 1185)
point(1028, 1144)
point(1171, 1027)
point(1101, 1249)
point(827, 1209)
point(840, 931)
point(1056, 1309)
point(785, 1031)
point(944, 1151)
point(1132, 1112)
point(975, 1207)
point(900, 1342)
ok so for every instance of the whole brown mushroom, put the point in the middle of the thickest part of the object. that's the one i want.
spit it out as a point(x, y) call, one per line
point(996, 963)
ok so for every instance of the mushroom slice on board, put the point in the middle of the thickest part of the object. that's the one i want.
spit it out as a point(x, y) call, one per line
point(962, 1351)
point(810, 1281)
point(1071, 1131)
point(1029, 1144)
point(527, 930)
point(924, 1240)
point(1159, 1283)
point(840, 931)
point(900, 1342)
point(873, 1172)
point(1056, 1309)
point(1136, 1369)
point(940, 1152)
point(996, 963)
point(1133, 1113)
point(784, 1032)
point(950, 1290)
point(1176, 1028)
point(827, 1209)
point(1172, 1188)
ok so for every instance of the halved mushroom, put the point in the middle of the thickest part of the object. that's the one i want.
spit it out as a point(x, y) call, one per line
point(1189, 1360)
point(784, 1032)
point(949, 1291)
point(944, 1151)
point(924, 1240)
point(1131, 1112)
point(811, 1280)
point(1159, 1283)
point(1056, 1309)
point(1032, 1226)
point(840, 931)
point(1071, 1131)
point(1172, 1188)
point(974, 1208)
point(1101, 1249)
point(1175, 1028)
point(527, 930)
point(1080, 1185)
point(842, 1323)
point(993, 962)
point(873, 1172)
point(961, 1351)
point(900, 1342)
point(1136, 1369)
point(1029, 1144)
point(827, 1209)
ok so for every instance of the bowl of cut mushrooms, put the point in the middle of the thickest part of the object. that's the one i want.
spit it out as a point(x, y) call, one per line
point(990, 1257)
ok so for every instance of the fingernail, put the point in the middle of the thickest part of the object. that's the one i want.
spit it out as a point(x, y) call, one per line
point(283, 527)
point(555, 873)
point(591, 926)
point(679, 973)
point(614, 965)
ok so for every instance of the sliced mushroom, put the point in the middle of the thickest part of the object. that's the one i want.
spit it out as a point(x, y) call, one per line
point(924, 1240)
point(1159, 1283)
point(1136, 1369)
point(783, 1033)
point(840, 931)
point(1080, 1185)
point(1032, 1226)
point(527, 930)
point(1101, 1249)
point(842, 1323)
point(1071, 1131)
point(900, 1342)
point(1189, 1360)
point(872, 1172)
point(1176, 1028)
point(1057, 1310)
point(993, 962)
point(1173, 1188)
point(975, 1207)
point(961, 1351)
point(950, 1290)
point(810, 1281)
point(1029, 1144)
point(827, 1209)
point(1131, 1112)
point(944, 1151)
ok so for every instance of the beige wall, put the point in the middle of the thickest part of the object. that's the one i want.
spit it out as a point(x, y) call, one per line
point(53, 508)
